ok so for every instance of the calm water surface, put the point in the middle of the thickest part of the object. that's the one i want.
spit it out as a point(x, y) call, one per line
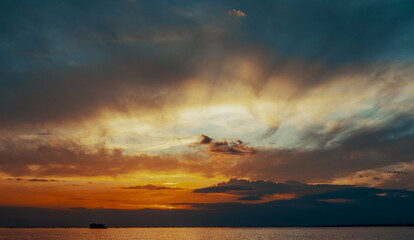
point(400, 233)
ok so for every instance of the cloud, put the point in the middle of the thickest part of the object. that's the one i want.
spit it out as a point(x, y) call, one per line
point(56, 73)
point(270, 132)
point(236, 13)
point(44, 133)
point(367, 148)
point(319, 209)
point(205, 139)
point(127, 66)
point(71, 159)
point(33, 180)
point(234, 147)
point(256, 190)
point(393, 176)
point(150, 187)
point(250, 198)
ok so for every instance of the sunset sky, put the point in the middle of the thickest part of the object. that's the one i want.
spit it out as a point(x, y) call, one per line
point(192, 106)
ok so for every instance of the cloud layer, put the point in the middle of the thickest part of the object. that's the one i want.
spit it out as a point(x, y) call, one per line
point(61, 65)
point(373, 206)
point(150, 187)
point(256, 190)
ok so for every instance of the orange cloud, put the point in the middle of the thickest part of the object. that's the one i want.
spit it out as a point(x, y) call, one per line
point(237, 13)
point(100, 194)
point(150, 187)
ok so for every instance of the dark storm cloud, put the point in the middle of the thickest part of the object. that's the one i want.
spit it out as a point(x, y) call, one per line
point(69, 60)
point(371, 206)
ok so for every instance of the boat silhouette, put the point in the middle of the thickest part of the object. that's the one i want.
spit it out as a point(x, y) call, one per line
point(97, 226)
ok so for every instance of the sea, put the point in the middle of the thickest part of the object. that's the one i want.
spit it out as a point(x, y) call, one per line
point(282, 233)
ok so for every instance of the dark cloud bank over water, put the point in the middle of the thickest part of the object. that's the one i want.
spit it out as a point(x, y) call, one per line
point(363, 206)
